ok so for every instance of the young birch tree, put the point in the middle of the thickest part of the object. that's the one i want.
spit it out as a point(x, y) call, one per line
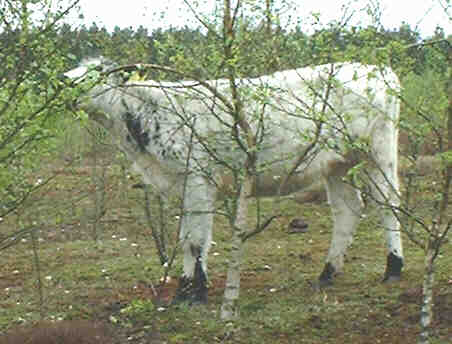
point(243, 134)
point(440, 220)
point(423, 207)
point(31, 96)
point(225, 60)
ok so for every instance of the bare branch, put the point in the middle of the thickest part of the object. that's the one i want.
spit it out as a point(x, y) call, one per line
point(259, 228)
point(198, 18)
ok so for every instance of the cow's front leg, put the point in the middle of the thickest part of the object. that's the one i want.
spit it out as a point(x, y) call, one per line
point(346, 206)
point(196, 237)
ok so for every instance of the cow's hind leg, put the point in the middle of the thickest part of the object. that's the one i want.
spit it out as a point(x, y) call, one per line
point(384, 186)
point(196, 238)
point(346, 207)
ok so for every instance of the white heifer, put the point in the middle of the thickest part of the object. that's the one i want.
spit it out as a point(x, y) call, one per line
point(161, 126)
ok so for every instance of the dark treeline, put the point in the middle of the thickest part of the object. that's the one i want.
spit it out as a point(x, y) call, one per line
point(281, 49)
point(278, 48)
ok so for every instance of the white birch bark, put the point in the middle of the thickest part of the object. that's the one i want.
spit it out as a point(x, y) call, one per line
point(427, 295)
point(229, 308)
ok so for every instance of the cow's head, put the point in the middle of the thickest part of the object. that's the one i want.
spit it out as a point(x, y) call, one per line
point(93, 78)
point(99, 69)
point(88, 68)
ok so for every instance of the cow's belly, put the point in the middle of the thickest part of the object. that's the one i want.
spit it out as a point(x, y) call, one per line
point(268, 184)
point(285, 179)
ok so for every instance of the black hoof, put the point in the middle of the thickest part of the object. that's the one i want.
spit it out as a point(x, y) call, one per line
point(190, 293)
point(326, 277)
point(193, 290)
point(394, 267)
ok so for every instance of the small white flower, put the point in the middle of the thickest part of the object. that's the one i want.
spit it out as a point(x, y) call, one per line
point(273, 290)
point(161, 309)
point(133, 244)
point(165, 265)
point(216, 254)
point(48, 278)
point(15, 272)
point(123, 239)
point(113, 236)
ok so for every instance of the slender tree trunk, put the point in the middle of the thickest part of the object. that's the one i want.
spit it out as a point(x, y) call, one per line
point(229, 308)
point(268, 18)
point(439, 229)
point(240, 131)
point(427, 293)
point(37, 266)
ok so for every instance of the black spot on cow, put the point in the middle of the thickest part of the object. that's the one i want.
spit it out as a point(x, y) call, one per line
point(136, 132)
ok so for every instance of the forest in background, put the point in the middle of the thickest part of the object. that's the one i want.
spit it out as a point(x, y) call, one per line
point(280, 48)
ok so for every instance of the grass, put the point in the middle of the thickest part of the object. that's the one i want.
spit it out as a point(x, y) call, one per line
point(113, 280)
